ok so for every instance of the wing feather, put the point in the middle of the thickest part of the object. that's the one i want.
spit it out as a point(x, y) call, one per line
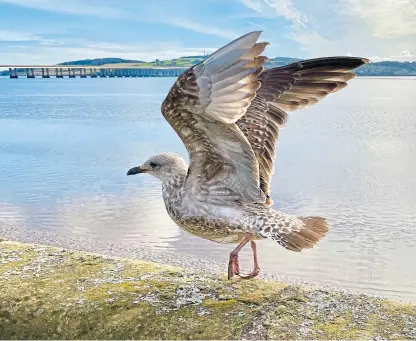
point(283, 89)
point(203, 106)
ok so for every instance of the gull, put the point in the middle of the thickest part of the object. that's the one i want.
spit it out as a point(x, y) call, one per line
point(228, 111)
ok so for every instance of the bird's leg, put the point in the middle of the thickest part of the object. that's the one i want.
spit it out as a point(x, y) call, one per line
point(256, 269)
point(233, 266)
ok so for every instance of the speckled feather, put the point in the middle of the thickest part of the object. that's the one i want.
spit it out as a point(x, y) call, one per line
point(287, 88)
point(228, 111)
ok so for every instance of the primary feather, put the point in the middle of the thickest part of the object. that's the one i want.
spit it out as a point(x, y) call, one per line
point(283, 89)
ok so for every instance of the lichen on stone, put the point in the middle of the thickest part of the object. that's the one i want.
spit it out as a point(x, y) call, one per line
point(51, 293)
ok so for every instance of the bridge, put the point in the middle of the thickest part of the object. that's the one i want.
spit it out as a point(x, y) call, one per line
point(72, 71)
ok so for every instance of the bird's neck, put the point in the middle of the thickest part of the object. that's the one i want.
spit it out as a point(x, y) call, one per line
point(176, 180)
point(172, 190)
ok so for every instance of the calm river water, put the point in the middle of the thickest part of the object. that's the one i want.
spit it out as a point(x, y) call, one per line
point(65, 147)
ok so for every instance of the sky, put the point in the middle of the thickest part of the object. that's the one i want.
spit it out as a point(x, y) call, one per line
point(52, 31)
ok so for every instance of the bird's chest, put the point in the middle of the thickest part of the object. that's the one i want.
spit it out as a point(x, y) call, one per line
point(214, 229)
point(202, 221)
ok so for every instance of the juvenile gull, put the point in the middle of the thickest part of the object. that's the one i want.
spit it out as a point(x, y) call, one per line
point(228, 111)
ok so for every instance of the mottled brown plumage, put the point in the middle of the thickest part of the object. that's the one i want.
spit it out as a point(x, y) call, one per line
point(228, 112)
point(295, 86)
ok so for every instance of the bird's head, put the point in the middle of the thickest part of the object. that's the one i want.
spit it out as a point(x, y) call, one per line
point(162, 166)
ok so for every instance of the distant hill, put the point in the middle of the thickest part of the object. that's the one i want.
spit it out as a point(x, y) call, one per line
point(185, 61)
point(180, 62)
point(100, 61)
point(387, 68)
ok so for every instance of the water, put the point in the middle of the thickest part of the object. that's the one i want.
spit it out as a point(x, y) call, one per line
point(65, 147)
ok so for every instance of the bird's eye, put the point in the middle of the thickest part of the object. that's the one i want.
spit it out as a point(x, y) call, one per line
point(153, 165)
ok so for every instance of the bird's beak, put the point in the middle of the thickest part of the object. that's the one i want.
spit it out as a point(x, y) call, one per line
point(135, 170)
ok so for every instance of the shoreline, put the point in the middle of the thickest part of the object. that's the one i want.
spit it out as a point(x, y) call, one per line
point(52, 292)
point(19, 234)
point(358, 76)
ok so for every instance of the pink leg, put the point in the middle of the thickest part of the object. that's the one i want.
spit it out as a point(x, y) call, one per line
point(233, 266)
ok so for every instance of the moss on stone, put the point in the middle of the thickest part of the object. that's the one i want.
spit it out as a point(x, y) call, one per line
point(50, 293)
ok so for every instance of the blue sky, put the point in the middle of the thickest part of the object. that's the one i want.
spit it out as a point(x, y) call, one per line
point(52, 31)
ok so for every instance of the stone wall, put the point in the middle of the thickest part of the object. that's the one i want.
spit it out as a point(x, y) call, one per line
point(51, 293)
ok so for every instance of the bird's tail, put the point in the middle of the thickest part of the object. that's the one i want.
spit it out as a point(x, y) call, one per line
point(297, 233)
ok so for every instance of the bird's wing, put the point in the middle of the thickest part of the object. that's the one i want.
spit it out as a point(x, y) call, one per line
point(203, 106)
point(288, 88)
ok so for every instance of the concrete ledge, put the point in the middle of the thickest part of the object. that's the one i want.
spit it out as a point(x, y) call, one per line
point(50, 293)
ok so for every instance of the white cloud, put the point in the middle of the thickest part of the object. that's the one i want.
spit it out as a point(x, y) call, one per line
point(365, 28)
point(309, 40)
point(303, 31)
point(50, 42)
point(286, 9)
point(201, 28)
point(277, 8)
point(6, 35)
point(386, 18)
point(256, 5)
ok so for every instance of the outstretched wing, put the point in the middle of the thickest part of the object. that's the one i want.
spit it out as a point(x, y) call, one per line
point(295, 86)
point(203, 106)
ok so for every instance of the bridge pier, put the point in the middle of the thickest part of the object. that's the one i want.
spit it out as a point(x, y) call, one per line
point(30, 73)
point(13, 73)
point(45, 73)
point(83, 73)
point(93, 73)
point(59, 73)
point(71, 73)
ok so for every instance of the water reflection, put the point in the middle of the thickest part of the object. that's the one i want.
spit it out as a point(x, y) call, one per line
point(136, 218)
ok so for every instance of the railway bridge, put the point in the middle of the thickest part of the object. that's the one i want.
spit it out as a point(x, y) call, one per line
point(73, 71)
